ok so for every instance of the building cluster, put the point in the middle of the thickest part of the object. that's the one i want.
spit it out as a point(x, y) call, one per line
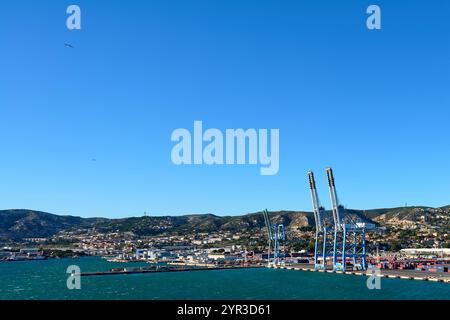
point(8, 254)
point(190, 255)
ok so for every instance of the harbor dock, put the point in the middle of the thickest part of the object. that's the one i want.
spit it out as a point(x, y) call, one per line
point(158, 269)
point(385, 273)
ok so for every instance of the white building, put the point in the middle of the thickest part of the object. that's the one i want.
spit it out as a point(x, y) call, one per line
point(440, 252)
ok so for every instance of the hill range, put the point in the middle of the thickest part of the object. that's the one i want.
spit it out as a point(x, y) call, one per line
point(20, 223)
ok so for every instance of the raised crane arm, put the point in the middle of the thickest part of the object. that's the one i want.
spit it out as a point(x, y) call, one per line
point(268, 225)
point(317, 209)
point(269, 233)
point(334, 200)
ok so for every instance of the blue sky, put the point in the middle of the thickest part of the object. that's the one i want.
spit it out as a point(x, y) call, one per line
point(374, 105)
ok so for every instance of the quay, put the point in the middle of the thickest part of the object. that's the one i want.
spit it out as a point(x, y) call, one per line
point(385, 273)
point(158, 269)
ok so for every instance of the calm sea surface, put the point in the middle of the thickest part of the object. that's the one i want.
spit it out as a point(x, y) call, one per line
point(47, 280)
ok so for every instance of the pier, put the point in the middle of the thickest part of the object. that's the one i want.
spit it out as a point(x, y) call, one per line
point(159, 269)
point(384, 273)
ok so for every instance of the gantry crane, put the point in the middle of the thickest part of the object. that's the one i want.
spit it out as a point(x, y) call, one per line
point(276, 236)
point(349, 234)
point(343, 238)
point(279, 237)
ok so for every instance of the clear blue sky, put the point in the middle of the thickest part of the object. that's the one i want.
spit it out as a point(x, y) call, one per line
point(374, 105)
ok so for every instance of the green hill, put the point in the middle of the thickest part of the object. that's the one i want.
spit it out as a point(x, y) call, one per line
point(19, 224)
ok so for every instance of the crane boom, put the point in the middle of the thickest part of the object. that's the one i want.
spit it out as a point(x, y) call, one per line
point(269, 233)
point(334, 200)
point(268, 225)
point(317, 209)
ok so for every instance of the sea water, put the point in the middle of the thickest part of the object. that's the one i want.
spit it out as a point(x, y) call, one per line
point(48, 280)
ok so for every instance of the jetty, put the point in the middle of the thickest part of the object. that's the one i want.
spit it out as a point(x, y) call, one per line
point(159, 269)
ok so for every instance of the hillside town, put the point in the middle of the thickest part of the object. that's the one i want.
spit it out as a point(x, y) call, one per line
point(398, 240)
